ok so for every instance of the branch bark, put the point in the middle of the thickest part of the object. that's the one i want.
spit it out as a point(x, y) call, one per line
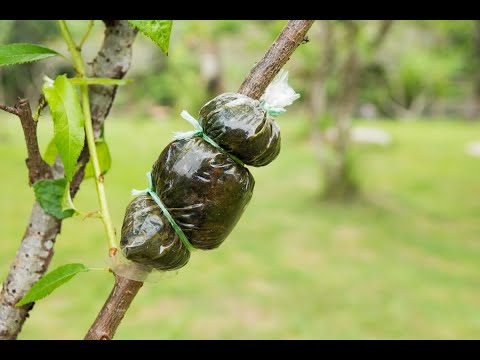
point(277, 55)
point(37, 168)
point(125, 290)
point(36, 250)
point(114, 309)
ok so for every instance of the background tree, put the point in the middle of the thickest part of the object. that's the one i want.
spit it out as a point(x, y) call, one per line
point(348, 49)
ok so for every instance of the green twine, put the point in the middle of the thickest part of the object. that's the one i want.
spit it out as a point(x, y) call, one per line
point(159, 202)
point(272, 111)
point(199, 133)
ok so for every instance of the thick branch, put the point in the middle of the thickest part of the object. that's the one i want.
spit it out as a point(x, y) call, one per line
point(114, 309)
point(36, 250)
point(125, 290)
point(113, 61)
point(277, 55)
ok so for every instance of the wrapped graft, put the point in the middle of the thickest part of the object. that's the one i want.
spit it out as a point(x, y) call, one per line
point(199, 187)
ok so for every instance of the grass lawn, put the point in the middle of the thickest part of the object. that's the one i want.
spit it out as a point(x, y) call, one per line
point(401, 262)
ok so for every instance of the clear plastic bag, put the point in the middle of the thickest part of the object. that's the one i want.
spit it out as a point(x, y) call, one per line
point(204, 190)
point(243, 127)
point(148, 237)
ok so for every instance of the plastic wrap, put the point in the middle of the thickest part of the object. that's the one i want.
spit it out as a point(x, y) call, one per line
point(204, 190)
point(148, 238)
point(279, 94)
point(241, 126)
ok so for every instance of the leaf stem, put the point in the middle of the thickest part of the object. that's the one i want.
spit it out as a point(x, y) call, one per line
point(84, 38)
point(99, 269)
point(72, 47)
point(99, 180)
point(67, 59)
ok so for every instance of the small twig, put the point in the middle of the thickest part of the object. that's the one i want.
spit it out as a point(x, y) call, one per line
point(90, 137)
point(125, 290)
point(37, 167)
point(81, 163)
point(8, 109)
point(84, 38)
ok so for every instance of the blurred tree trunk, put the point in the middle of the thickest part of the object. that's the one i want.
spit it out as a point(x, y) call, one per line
point(334, 154)
point(317, 98)
point(317, 95)
point(474, 112)
point(339, 180)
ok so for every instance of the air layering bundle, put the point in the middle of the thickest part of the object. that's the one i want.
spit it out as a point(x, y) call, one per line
point(199, 185)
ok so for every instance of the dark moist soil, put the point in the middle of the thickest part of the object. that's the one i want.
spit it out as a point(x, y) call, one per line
point(148, 237)
point(241, 126)
point(205, 191)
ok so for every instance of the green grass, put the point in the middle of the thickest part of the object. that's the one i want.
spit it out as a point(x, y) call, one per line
point(400, 262)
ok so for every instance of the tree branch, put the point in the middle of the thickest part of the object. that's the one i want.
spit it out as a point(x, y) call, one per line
point(125, 290)
point(36, 250)
point(114, 309)
point(37, 168)
point(8, 109)
point(277, 55)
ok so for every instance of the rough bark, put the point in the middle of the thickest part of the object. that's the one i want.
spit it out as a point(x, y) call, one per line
point(114, 309)
point(125, 290)
point(268, 67)
point(37, 168)
point(36, 250)
point(113, 61)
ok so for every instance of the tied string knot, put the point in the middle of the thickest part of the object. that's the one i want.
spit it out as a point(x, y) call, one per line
point(150, 191)
point(272, 110)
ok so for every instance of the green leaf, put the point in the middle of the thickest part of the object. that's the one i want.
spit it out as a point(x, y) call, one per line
point(51, 281)
point(104, 158)
point(12, 54)
point(157, 30)
point(50, 152)
point(50, 195)
point(98, 81)
point(68, 121)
